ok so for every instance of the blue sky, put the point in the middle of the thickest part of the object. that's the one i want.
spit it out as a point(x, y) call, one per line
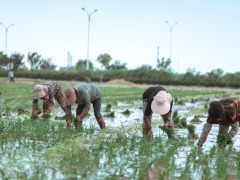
point(206, 36)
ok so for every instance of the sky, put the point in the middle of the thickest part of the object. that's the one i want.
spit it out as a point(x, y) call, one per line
point(205, 34)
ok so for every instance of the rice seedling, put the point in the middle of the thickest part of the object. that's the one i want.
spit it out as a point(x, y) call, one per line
point(191, 130)
point(126, 112)
point(46, 149)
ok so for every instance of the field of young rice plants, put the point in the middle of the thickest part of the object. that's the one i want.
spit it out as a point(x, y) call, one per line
point(47, 149)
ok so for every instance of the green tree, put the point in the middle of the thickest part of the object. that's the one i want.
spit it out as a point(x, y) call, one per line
point(47, 64)
point(16, 61)
point(3, 61)
point(104, 59)
point(34, 59)
point(81, 65)
point(164, 64)
point(117, 65)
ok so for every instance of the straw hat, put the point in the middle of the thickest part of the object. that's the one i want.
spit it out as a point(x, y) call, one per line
point(70, 96)
point(161, 103)
point(39, 91)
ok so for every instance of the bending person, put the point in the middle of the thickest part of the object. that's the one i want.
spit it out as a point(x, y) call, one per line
point(47, 92)
point(224, 112)
point(156, 100)
point(84, 95)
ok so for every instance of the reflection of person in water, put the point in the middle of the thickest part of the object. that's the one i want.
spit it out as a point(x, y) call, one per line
point(225, 113)
point(11, 76)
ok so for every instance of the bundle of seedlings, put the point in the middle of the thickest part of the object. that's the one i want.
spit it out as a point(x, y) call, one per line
point(169, 131)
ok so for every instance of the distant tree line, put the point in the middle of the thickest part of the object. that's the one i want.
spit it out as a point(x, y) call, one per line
point(161, 74)
point(36, 62)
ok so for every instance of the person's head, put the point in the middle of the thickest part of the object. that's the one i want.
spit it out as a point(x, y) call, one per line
point(70, 96)
point(161, 103)
point(216, 112)
point(39, 92)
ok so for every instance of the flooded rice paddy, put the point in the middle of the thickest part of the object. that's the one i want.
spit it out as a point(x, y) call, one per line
point(46, 149)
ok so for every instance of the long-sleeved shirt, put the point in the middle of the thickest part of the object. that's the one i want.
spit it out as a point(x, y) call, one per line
point(86, 94)
point(148, 97)
point(54, 92)
point(232, 109)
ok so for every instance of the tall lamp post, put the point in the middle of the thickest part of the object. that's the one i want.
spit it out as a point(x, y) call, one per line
point(6, 33)
point(89, 19)
point(170, 45)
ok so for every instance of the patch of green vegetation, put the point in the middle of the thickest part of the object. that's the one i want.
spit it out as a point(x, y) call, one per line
point(46, 149)
point(126, 112)
point(195, 120)
point(108, 108)
point(111, 114)
point(191, 131)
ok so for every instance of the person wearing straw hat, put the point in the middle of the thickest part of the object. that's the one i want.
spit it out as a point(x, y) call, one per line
point(84, 95)
point(156, 100)
point(224, 112)
point(47, 92)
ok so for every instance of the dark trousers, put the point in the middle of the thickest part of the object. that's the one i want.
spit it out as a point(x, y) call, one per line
point(96, 108)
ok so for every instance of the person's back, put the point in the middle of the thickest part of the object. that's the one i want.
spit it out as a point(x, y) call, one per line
point(89, 90)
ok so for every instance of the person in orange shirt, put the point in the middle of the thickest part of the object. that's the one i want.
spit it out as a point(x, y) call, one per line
point(225, 113)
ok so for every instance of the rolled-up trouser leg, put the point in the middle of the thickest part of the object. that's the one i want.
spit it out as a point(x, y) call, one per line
point(78, 112)
point(97, 112)
point(101, 123)
point(146, 127)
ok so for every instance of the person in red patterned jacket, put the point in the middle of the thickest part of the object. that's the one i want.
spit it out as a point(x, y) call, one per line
point(84, 95)
point(47, 92)
point(224, 112)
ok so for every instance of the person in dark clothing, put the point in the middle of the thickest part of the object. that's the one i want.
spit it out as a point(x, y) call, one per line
point(156, 100)
point(224, 112)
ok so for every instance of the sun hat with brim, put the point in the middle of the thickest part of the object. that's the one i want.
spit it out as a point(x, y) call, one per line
point(161, 103)
point(39, 92)
point(70, 96)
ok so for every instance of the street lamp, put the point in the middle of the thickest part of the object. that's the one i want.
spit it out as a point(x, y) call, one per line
point(170, 45)
point(6, 31)
point(89, 19)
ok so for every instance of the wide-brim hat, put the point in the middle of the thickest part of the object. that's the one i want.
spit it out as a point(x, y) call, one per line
point(161, 103)
point(70, 96)
point(39, 91)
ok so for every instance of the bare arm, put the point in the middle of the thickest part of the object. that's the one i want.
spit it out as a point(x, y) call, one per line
point(234, 129)
point(206, 129)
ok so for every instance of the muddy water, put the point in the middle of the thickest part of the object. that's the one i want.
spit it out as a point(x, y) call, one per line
point(121, 120)
point(136, 115)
